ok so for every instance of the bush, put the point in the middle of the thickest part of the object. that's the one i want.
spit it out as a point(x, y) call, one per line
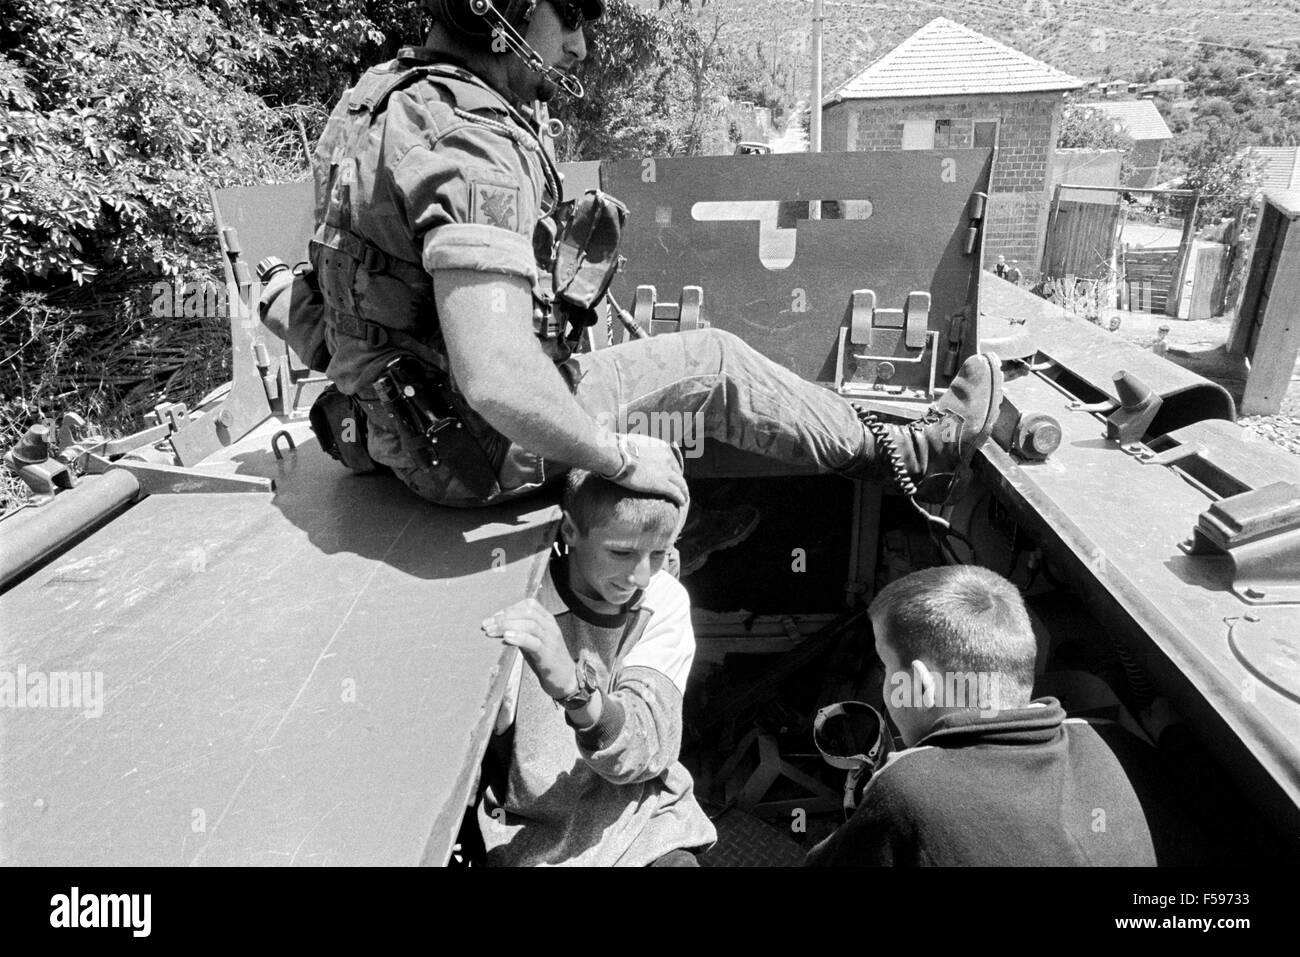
point(117, 117)
point(115, 120)
point(1090, 128)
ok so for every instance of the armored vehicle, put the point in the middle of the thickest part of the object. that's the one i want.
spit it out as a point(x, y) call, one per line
point(280, 661)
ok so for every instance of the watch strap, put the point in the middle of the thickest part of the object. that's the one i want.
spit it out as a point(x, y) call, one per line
point(587, 687)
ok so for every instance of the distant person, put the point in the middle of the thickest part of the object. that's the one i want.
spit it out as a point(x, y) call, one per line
point(588, 734)
point(988, 776)
point(1161, 346)
point(1013, 272)
point(1000, 267)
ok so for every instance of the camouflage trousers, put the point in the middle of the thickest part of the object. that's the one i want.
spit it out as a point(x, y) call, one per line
point(709, 384)
point(685, 388)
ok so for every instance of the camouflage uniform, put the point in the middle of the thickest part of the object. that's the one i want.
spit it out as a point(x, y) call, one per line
point(419, 172)
point(428, 171)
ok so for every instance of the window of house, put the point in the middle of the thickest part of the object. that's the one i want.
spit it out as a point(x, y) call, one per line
point(986, 134)
point(949, 134)
point(918, 134)
point(943, 134)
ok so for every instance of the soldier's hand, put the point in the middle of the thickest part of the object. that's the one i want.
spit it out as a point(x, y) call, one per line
point(533, 630)
point(653, 466)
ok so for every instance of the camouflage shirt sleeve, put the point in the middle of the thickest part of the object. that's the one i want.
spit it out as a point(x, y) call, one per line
point(469, 193)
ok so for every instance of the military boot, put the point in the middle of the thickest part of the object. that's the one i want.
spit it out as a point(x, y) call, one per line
point(926, 457)
point(711, 530)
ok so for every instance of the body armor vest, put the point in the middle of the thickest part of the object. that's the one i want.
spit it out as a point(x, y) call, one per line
point(379, 298)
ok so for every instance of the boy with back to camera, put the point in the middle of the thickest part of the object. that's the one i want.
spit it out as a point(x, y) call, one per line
point(588, 734)
point(987, 775)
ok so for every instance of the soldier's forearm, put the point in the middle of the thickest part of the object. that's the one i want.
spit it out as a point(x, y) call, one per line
point(487, 324)
point(535, 410)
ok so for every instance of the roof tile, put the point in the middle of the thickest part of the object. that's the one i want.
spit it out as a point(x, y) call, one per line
point(1141, 119)
point(1281, 169)
point(944, 58)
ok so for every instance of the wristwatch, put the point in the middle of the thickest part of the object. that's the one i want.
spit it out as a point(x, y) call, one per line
point(585, 672)
point(627, 453)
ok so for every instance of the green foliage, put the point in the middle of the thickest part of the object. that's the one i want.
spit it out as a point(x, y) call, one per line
point(1089, 128)
point(1226, 175)
point(115, 118)
point(653, 81)
point(1234, 99)
point(323, 46)
point(1249, 96)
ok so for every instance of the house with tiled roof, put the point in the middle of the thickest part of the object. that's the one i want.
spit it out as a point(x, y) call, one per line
point(1142, 121)
point(949, 87)
point(1279, 166)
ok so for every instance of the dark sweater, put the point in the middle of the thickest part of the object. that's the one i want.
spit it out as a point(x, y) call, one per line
point(1027, 787)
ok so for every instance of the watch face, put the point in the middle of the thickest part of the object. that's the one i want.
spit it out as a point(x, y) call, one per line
point(587, 676)
point(587, 684)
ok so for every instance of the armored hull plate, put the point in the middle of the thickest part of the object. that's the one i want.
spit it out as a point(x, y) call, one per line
point(296, 678)
point(1117, 525)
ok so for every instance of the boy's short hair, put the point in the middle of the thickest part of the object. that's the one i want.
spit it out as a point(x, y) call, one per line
point(591, 501)
point(960, 618)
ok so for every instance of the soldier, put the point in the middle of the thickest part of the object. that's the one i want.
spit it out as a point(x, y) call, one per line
point(432, 177)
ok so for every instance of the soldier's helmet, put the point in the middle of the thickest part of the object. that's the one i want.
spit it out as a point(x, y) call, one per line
point(466, 18)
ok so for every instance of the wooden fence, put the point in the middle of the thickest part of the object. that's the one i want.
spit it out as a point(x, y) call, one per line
point(1148, 274)
point(1080, 239)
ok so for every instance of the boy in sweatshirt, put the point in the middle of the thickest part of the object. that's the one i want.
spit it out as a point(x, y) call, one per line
point(987, 775)
point(588, 734)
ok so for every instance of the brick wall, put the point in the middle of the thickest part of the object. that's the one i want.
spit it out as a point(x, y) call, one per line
point(1019, 195)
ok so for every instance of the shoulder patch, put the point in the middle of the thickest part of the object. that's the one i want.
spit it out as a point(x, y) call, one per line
point(496, 205)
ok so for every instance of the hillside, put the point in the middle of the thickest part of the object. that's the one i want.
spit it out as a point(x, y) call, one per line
point(1086, 38)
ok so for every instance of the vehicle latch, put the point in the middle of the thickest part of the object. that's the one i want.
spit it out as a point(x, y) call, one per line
point(1259, 531)
point(659, 317)
point(901, 351)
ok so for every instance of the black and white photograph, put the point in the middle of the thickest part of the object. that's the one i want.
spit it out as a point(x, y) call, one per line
point(806, 434)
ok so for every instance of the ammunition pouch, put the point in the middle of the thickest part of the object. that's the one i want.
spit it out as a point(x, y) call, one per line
point(380, 299)
point(292, 309)
point(586, 256)
point(456, 452)
point(339, 422)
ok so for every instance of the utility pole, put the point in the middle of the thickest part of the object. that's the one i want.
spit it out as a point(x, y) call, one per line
point(815, 119)
point(815, 114)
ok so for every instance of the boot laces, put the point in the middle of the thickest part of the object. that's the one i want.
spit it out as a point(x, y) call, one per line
point(885, 442)
point(931, 417)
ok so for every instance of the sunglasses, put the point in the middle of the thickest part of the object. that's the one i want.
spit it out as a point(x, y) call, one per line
point(570, 14)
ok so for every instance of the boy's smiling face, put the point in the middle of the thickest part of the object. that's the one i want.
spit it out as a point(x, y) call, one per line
point(613, 560)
